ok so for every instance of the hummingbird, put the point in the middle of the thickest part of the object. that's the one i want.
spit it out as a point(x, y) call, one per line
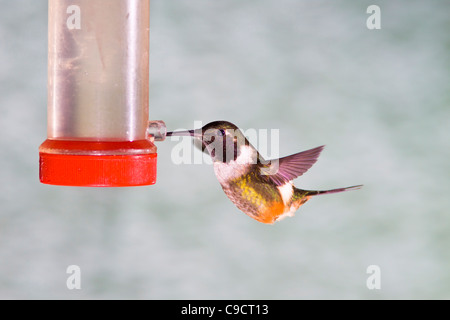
point(261, 189)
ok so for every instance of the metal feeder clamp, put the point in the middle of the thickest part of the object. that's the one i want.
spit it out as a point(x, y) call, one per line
point(98, 133)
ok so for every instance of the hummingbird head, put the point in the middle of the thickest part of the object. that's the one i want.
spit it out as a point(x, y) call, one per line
point(221, 139)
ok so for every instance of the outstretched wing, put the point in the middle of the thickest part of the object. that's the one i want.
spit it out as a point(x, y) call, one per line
point(290, 167)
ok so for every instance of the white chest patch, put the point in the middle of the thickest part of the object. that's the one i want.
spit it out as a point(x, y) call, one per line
point(247, 155)
point(286, 191)
point(235, 168)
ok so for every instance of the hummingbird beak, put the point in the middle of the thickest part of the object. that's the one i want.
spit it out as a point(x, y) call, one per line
point(192, 133)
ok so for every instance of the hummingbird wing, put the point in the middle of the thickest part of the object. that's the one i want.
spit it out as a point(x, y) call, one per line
point(290, 167)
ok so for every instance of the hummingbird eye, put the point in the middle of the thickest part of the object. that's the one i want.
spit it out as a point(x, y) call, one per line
point(221, 132)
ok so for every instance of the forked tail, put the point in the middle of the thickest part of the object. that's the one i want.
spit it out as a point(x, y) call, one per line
point(316, 192)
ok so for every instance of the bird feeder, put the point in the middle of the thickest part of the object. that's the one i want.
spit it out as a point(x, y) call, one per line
point(98, 132)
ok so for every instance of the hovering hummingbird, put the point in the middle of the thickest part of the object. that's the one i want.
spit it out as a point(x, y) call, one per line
point(261, 189)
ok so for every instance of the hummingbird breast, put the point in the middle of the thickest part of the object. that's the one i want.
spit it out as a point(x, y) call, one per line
point(254, 194)
point(255, 197)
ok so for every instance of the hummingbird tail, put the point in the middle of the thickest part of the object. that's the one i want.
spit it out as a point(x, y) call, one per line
point(316, 192)
point(301, 196)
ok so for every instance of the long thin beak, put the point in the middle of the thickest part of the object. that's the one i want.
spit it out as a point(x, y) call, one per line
point(192, 133)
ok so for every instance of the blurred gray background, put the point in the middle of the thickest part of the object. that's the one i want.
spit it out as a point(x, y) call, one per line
point(378, 99)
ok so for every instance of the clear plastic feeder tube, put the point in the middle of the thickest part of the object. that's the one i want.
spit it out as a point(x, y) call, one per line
point(98, 69)
point(98, 73)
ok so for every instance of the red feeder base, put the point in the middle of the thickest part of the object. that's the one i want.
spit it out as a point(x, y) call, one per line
point(97, 164)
